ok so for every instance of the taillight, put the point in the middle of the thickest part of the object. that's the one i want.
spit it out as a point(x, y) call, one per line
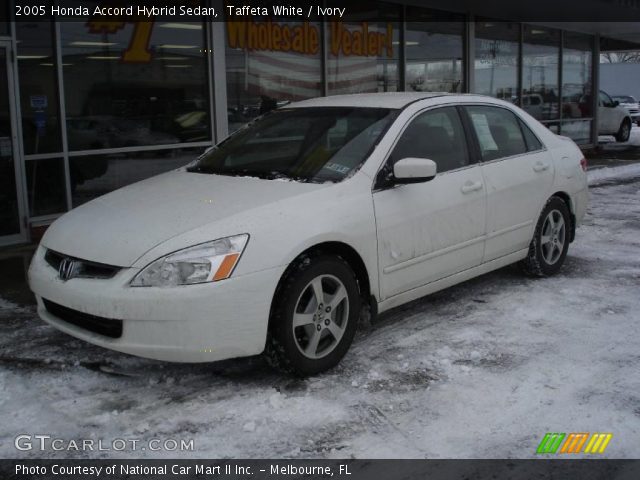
point(583, 164)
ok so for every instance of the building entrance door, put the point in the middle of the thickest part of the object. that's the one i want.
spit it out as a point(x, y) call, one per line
point(11, 209)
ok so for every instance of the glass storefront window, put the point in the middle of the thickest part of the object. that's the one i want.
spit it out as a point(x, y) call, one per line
point(496, 59)
point(4, 20)
point(270, 62)
point(46, 186)
point(540, 89)
point(9, 203)
point(96, 175)
point(363, 49)
point(577, 130)
point(434, 51)
point(576, 74)
point(135, 83)
point(39, 101)
point(577, 100)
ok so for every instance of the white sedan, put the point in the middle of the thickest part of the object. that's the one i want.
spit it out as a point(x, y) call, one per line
point(278, 239)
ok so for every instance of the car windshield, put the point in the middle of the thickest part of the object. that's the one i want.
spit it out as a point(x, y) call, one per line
point(304, 144)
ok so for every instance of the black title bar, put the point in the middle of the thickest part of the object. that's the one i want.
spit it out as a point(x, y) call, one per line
point(590, 469)
point(320, 10)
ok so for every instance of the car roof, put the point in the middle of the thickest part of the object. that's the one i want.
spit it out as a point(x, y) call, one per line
point(375, 100)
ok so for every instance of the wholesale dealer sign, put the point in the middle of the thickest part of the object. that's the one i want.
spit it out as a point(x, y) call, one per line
point(360, 40)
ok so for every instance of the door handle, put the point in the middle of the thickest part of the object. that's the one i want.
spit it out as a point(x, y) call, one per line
point(469, 187)
point(540, 167)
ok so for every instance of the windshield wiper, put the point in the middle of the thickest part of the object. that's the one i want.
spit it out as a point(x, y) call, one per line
point(245, 172)
point(217, 171)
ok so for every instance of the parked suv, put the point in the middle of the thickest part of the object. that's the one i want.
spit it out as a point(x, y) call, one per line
point(613, 119)
point(631, 104)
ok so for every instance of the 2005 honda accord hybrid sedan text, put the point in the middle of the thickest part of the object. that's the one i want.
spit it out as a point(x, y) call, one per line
point(277, 240)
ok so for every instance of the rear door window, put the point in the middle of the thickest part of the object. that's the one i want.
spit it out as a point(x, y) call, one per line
point(498, 132)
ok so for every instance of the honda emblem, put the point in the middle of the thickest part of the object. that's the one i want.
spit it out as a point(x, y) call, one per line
point(67, 269)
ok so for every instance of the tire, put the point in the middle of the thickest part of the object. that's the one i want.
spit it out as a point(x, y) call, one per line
point(325, 329)
point(624, 132)
point(550, 243)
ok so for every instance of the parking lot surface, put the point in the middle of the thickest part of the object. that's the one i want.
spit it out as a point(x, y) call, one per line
point(481, 370)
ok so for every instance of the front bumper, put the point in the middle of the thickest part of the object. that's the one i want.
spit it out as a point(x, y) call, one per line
point(192, 323)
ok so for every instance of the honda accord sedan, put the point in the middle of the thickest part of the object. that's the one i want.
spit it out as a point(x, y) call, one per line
point(280, 238)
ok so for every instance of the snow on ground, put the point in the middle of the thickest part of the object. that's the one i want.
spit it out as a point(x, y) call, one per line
point(481, 370)
point(598, 175)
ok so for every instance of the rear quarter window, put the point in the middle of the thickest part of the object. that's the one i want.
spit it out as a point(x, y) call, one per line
point(533, 143)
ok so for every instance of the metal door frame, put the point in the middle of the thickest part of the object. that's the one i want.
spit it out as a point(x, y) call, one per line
point(7, 45)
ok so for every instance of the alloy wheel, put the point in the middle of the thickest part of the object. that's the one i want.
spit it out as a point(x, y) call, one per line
point(320, 316)
point(553, 237)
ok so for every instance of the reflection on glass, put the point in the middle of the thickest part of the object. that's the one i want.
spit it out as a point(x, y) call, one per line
point(577, 130)
point(577, 86)
point(540, 92)
point(46, 186)
point(38, 87)
point(496, 59)
point(134, 84)
point(95, 175)
point(434, 51)
point(363, 49)
point(269, 64)
point(576, 75)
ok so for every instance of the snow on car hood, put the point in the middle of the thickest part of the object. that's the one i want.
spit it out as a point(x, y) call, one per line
point(119, 227)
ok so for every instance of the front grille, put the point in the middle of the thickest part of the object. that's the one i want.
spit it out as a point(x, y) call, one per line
point(84, 269)
point(102, 326)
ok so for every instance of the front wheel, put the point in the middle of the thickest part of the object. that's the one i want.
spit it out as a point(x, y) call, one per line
point(624, 132)
point(548, 248)
point(315, 315)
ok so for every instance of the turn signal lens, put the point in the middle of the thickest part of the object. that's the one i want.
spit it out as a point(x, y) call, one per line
point(226, 267)
point(208, 262)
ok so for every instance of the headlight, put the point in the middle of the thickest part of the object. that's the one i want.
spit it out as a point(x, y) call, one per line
point(207, 262)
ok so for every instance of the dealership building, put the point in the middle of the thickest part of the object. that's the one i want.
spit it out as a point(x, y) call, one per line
point(88, 106)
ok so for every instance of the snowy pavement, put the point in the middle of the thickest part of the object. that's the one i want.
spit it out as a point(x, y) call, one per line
point(481, 370)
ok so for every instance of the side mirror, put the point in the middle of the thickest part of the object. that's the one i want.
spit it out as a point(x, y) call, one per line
point(615, 103)
point(414, 170)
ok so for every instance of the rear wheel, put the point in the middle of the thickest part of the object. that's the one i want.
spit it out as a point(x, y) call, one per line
point(315, 315)
point(548, 248)
point(624, 132)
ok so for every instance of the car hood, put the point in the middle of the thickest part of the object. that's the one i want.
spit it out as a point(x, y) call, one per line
point(118, 228)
